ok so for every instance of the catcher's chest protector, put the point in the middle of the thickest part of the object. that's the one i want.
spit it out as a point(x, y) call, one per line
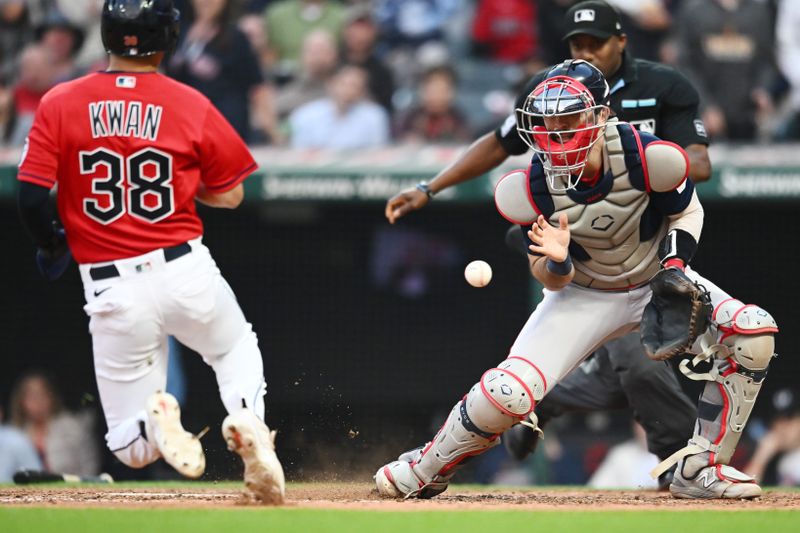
point(608, 229)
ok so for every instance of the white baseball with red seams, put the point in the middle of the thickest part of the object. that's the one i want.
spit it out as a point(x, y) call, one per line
point(478, 273)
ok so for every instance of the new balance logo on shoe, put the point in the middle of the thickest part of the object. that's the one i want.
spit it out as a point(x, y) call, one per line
point(708, 478)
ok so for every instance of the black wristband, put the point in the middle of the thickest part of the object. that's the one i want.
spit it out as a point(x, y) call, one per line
point(677, 244)
point(424, 187)
point(562, 268)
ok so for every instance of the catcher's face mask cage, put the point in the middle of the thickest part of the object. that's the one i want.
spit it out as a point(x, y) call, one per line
point(561, 122)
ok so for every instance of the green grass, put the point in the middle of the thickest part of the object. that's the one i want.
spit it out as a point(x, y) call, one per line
point(33, 520)
point(255, 519)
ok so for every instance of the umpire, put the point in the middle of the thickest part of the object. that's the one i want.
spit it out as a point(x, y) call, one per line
point(654, 98)
point(657, 99)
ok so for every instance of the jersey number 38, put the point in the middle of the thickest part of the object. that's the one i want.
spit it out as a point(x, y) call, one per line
point(150, 196)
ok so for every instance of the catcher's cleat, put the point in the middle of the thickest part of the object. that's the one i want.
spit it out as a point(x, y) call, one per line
point(715, 481)
point(179, 448)
point(255, 443)
point(398, 480)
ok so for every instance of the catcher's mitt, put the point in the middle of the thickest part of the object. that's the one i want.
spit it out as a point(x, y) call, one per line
point(679, 311)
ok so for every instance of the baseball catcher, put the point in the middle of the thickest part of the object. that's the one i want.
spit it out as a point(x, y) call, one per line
point(606, 209)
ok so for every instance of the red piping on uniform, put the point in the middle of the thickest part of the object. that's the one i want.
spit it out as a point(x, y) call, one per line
point(449, 466)
point(720, 475)
point(626, 288)
point(683, 153)
point(732, 369)
point(36, 180)
point(541, 375)
point(750, 331)
point(428, 446)
point(644, 161)
point(723, 420)
point(233, 181)
point(714, 314)
point(388, 474)
point(528, 191)
point(755, 331)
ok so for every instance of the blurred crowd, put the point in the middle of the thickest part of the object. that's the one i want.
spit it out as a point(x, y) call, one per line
point(42, 435)
point(37, 432)
point(363, 73)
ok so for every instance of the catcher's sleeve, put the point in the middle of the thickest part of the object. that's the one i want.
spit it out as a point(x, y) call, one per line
point(683, 234)
point(690, 219)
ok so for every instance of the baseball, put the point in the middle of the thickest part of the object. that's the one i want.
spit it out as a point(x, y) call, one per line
point(478, 273)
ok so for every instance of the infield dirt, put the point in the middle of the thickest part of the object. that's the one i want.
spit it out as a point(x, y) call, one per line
point(362, 496)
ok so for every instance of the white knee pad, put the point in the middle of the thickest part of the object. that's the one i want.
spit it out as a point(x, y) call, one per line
point(514, 386)
point(504, 396)
point(748, 331)
point(741, 356)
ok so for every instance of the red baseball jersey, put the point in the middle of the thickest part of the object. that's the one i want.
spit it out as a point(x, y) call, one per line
point(129, 152)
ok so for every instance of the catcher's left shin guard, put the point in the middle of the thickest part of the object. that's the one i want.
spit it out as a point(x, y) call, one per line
point(504, 396)
point(740, 360)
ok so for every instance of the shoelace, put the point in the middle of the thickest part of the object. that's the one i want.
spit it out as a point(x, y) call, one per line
point(533, 424)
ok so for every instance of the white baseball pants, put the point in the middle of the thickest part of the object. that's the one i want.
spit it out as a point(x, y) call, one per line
point(570, 324)
point(131, 316)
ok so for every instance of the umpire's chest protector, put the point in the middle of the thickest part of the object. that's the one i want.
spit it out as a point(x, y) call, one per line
point(614, 231)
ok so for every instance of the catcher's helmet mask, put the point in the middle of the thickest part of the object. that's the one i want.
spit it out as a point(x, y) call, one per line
point(562, 119)
point(139, 28)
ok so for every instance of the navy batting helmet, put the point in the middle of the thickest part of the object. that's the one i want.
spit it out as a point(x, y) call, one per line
point(585, 73)
point(137, 28)
point(562, 119)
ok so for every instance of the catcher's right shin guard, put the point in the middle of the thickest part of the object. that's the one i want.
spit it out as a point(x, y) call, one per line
point(504, 396)
point(740, 360)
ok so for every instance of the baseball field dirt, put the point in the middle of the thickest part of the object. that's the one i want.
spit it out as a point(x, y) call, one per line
point(362, 496)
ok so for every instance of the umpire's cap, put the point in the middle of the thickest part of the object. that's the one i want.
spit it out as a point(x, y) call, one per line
point(595, 18)
point(137, 28)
